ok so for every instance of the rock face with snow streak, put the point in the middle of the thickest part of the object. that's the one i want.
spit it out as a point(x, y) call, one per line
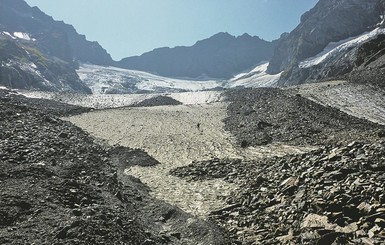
point(329, 21)
point(23, 66)
point(353, 59)
point(52, 37)
point(39, 53)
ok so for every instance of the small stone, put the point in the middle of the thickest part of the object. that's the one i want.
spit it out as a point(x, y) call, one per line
point(365, 207)
point(315, 221)
point(375, 230)
point(63, 232)
point(380, 222)
point(63, 135)
point(360, 233)
point(176, 235)
point(77, 212)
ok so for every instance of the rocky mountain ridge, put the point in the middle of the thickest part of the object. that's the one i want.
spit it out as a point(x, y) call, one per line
point(331, 23)
point(38, 52)
point(220, 56)
point(52, 37)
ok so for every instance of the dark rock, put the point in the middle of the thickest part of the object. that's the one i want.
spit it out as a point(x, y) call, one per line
point(328, 239)
point(157, 101)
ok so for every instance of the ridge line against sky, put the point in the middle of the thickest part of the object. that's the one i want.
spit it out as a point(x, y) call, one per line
point(132, 27)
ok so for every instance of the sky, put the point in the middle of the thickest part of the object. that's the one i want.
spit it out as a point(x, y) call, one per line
point(131, 27)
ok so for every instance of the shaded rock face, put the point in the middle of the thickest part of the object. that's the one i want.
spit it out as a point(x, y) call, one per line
point(329, 21)
point(53, 37)
point(336, 67)
point(361, 64)
point(219, 56)
point(47, 57)
point(24, 66)
point(371, 54)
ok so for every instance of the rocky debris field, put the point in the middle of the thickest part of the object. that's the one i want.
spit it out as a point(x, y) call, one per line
point(264, 115)
point(60, 187)
point(333, 195)
point(360, 100)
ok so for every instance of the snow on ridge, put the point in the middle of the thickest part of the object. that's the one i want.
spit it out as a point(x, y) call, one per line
point(20, 35)
point(8, 34)
point(24, 36)
point(337, 47)
point(258, 77)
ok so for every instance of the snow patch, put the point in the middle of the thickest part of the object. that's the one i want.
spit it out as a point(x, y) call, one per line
point(335, 48)
point(258, 77)
point(24, 36)
point(8, 34)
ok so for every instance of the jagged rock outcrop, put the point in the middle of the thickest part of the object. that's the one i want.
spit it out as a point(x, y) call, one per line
point(219, 56)
point(329, 21)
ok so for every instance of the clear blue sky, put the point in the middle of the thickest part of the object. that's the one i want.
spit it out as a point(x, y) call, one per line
point(131, 27)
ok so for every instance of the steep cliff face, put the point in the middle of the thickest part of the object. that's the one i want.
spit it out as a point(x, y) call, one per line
point(329, 21)
point(54, 38)
point(219, 56)
point(37, 52)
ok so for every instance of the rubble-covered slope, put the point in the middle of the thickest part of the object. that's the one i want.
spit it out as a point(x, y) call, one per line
point(331, 195)
point(264, 115)
point(58, 186)
point(334, 195)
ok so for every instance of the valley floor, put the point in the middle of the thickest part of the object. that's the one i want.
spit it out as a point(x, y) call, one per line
point(177, 136)
point(270, 166)
point(191, 138)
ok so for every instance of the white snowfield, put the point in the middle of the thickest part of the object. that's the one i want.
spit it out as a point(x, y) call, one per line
point(103, 80)
point(335, 48)
point(255, 78)
point(100, 79)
